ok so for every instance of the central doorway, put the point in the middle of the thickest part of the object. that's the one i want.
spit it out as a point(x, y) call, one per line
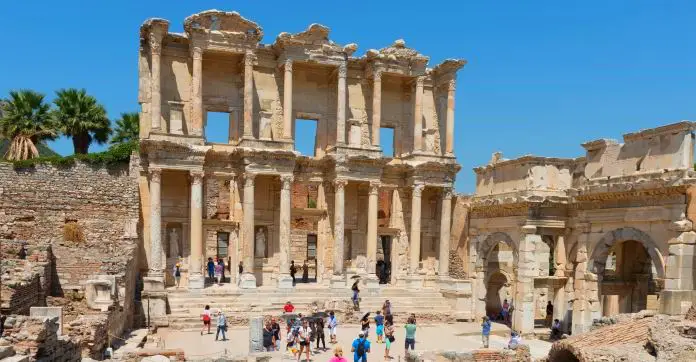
point(384, 263)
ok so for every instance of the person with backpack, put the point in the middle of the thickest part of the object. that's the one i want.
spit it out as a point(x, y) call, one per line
point(205, 316)
point(177, 274)
point(360, 348)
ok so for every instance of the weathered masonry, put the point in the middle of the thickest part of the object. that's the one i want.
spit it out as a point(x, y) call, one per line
point(345, 210)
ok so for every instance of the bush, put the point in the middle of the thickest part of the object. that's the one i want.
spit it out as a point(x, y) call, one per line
point(116, 154)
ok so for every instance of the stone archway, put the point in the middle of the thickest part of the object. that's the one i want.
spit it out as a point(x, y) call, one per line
point(497, 263)
point(597, 262)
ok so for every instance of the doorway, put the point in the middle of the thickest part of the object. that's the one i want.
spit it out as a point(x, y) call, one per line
point(311, 259)
point(384, 260)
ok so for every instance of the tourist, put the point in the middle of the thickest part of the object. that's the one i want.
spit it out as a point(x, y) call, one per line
point(338, 355)
point(379, 327)
point(205, 316)
point(305, 272)
point(356, 295)
point(333, 326)
point(413, 317)
point(177, 274)
point(22, 252)
point(221, 262)
point(221, 325)
point(365, 325)
point(360, 348)
point(504, 312)
point(211, 269)
point(549, 313)
point(218, 271)
point(3, 318)
point(389, 337)
point(319, 330)
point(269, 340)
point(515, 340)
point(386, 308)
point(304, 337)
point(410, 335)
point(276, 333)
point(288, 307)
point(555, 330)
point(485, 331)
point(240, 268)
point(293, 270)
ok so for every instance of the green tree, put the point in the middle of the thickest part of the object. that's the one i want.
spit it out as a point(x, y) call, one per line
point(25, 121)
point(127, 128)
point(80, 117)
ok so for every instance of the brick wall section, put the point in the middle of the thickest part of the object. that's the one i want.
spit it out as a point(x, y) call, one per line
point(38, 340)
point(26, 282)
point(302, 193)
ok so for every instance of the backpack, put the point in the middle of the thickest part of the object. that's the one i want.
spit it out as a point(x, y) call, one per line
point(361, 348)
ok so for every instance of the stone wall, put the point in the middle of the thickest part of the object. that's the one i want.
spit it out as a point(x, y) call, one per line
point(25, 282)
point(37, 339)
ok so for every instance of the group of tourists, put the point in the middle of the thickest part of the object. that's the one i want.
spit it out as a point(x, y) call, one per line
point(220, 322)
point(216, 269)
point(305, 272)
point(515, 338)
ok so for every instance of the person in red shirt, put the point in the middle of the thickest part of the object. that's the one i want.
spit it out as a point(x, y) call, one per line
point(288, 307)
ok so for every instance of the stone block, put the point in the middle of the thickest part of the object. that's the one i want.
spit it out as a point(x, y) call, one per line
point(153, 283)
point(48, 312)
point(155, 307)
point(99, 294)
point(413, 282)
point(196, 281)
point(372, 285)
point(247, 281)
point(338, 282)
point(672, 302)
point(285, 282)
point(256, 334)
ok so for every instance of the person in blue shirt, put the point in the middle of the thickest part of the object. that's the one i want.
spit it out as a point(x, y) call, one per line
point(360, 348)
point(379, 323)
point(485, 330)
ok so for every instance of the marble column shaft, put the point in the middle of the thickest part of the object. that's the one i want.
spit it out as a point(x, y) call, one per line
point(372, 227)
point(418, 116)
point(156, 268)
point(232, 249)
point(339, 225)
point(248, 224)
point(449, 125)
point(341, 106)
point(196, 265)
point(197, 92)
point(285, 197)
point(155, 82)
point(249, 58)
point(376, 107)
point(287, 100)
point(415, 244)
point(445, 220)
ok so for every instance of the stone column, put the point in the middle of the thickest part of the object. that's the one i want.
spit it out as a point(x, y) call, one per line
point(197, 92)
point(155, 94)
point(581, 316)
point(248, 280)
point(372, 227)
point(284, 279)
point(196, 279)
point(414, 248)
point(339, 229)
point(376, 106)
point(287, 100)
point(445, 221)
point(232, 247)
point(449, 125)
point(249, 58)
point(418, 116)
point(156, 268)
point(341, 107)
point(523, 314)
point(559, 256)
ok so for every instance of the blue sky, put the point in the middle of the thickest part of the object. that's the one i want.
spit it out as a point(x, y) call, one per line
point(543, 76)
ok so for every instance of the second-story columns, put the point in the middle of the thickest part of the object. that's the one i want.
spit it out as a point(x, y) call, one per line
point(418, 116)
point(376, 107)
point(195, 270)
point(341, 106)
point(249, 58)
point(155, 92)
point(197, 92)
point(449, 125)
point(287, 100)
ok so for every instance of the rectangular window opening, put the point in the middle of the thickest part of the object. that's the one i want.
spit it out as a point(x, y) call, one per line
point(387, 141)
point(223, 243)
point(311, 247)
point(306, 136)
point(217, 127)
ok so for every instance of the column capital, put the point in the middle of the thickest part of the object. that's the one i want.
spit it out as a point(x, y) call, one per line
point(447, 193)
point(418, 190)
point(155, 174)
point(377, 75)
point(155, 43)
point(340, 184)
point(196, 176)
point(286, 181)
point(419, 81)
point(374, 187)
point(249, 58)
point(451, 85)
point(288, 65)
point(197, 53)
point(342, 70)
point(249, 179)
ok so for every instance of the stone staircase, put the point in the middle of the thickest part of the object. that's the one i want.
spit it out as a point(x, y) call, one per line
point(186, 306)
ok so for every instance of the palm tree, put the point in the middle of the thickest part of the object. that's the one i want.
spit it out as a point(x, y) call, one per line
point(127, 128)
point(25, 122)
point(80, 117)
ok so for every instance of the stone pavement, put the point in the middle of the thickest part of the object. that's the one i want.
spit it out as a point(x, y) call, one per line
point(454, 337)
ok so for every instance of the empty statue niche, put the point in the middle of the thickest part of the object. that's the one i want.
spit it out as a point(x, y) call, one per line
point(306, 137)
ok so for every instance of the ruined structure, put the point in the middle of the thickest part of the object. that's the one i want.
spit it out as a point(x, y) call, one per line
point(607, 233)
point(256, 200)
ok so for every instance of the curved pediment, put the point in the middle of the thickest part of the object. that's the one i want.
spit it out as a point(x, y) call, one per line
point(397, 51)
point(225, 22)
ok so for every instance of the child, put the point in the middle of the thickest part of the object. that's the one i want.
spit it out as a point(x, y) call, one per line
point(379, 323)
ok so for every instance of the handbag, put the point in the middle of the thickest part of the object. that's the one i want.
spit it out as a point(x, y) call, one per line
point(392, 339)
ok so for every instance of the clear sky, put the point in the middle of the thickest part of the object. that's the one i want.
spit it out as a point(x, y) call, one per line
point(543, 76)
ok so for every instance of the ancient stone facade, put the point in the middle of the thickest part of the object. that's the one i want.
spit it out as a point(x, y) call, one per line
point(254, 199)
point(603, 234)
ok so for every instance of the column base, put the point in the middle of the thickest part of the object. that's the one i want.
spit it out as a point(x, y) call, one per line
point(153, 282)
point(154, 300)
point(196, 281)
point(413, 282)
point(247, 281)
point(338, 282)
point(285, 281)
point(676, 302)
